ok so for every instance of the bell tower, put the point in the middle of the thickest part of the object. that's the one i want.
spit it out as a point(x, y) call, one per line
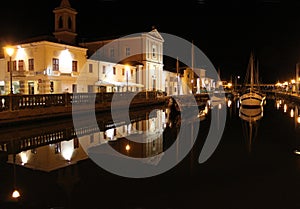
point(65, 23)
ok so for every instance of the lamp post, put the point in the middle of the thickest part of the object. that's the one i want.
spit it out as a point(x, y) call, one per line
point(236, 82)
point(10, 51)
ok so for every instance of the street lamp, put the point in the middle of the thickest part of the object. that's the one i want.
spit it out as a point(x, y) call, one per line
point(10, 52)
point(236, 82)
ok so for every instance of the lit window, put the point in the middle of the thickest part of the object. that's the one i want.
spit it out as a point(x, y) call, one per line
point(30, 64)
point(55, 63)
point(21, 65)
point(74, 66)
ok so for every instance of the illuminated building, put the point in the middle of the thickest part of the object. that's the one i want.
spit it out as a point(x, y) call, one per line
point(57, 64)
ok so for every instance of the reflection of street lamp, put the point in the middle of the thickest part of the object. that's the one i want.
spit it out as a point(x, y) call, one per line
point(127, 148)
point(16, 193)
point(10, 51)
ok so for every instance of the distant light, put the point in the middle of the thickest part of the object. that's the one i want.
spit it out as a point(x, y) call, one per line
point(298, 119)
point(297, 152)
point(127, 148)
point(284, 108)
point(229, 103)
point(278, 105)
point(15, 194)
point(292, 113)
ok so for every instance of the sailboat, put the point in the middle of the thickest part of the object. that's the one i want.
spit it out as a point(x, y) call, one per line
point(251, 95)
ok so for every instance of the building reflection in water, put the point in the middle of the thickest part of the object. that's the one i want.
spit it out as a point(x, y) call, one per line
point(49, 150)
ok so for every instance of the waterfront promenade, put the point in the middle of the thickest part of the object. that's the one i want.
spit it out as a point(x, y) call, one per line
point(20, 108)
point(23, 108)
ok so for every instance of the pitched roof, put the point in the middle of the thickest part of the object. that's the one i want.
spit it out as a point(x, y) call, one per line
point(65, 3)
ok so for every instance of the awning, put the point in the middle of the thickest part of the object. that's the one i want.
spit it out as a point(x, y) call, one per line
point(107, 83)
point(131, 84)
point(115, 83)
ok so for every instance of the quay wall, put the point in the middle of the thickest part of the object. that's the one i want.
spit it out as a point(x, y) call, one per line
point(23, 108)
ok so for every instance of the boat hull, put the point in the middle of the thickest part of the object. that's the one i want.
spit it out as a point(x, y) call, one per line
point(252, 100)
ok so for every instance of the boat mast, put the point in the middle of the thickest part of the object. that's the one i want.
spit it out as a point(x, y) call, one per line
point(251, 72)
point(177, 70)
point(193, 72)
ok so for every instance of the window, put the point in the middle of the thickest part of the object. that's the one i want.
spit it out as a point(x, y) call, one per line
point(76, 143)
point(127, 51)
point(153, 51)
point(55, 63)
point(21, 65)
point(123, 71)
point(90, 88)
point(60, 22)
point(69, 23)
point(131, 72)
point(51, 86)
point(92, 138)
point(103, 69)
point(114, 70)
point(30, 64)
point(74, 66)
point(112, 52)
point(8, 66)
point(90, 68)
point(57, 148)
point(14, 65)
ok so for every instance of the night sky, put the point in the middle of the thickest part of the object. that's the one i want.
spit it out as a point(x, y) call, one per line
point(226, 31)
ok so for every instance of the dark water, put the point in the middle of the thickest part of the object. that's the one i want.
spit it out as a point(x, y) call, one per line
point(52, 169)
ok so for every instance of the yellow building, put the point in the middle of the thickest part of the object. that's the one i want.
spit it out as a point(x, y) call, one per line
point(56, 64)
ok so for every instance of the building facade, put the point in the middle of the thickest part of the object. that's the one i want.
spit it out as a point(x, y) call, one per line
point(57, 64)
point(143, 51)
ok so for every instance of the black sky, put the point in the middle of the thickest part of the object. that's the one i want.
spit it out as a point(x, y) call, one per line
point(226, 31)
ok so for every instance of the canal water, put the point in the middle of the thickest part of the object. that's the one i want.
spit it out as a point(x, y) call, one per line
point(255, 165)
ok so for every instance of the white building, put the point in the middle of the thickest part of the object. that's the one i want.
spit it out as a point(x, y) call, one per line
point(143, 51)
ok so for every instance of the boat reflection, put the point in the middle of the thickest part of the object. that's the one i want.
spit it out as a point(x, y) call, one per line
point(250, 123)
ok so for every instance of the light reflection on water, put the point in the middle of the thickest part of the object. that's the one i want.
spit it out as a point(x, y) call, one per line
point(49, 150)
point(58, 163)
